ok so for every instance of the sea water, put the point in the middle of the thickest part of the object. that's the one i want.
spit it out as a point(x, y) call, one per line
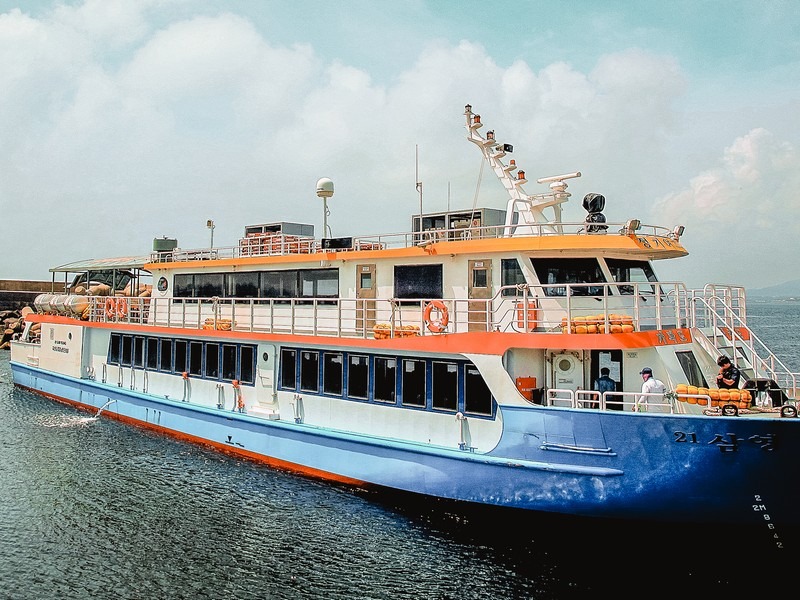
point(92, 508)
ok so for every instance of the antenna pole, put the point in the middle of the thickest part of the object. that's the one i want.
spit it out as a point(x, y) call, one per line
point(419, 183)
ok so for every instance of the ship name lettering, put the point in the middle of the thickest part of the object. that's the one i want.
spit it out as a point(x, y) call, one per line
point(726, 445)
point(729, 442)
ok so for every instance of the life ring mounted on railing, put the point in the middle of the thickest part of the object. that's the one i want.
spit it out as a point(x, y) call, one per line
point(122, 307)
point(438, 323)
point(110, 308)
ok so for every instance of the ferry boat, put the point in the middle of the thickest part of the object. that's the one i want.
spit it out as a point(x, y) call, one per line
point(456, 360)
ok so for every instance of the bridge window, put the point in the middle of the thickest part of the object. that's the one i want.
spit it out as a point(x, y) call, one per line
point(633, 271)
point(574, 271)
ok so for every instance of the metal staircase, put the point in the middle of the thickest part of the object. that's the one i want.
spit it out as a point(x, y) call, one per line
point(719, 318)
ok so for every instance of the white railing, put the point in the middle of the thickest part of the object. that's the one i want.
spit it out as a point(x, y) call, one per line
point(624, 401)
point(281, 244)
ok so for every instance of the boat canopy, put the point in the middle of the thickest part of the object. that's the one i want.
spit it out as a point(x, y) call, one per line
point(102, 264)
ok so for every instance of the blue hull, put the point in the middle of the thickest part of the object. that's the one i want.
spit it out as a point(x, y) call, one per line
point(594, 464)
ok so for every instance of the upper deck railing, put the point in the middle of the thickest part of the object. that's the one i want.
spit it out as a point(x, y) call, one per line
point(280, 244)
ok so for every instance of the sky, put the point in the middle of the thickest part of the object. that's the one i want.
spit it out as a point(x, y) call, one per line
point(123, 121)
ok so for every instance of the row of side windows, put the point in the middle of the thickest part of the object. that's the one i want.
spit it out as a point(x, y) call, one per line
point(410, 282)
point(207, 360)
point(432, 384)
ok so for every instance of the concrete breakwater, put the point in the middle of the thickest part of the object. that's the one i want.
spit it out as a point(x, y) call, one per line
point(17, 293)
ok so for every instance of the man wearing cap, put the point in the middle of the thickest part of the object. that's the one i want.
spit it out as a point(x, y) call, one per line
point(651, 385)
point(728, 377)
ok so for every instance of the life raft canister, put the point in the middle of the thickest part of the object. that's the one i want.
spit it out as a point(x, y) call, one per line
point(436, 325)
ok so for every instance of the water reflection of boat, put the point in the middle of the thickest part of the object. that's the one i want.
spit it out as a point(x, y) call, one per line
point(455, 360)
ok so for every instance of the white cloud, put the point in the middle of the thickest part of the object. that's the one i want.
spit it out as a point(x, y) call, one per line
point(755, 181)
point(121, 122)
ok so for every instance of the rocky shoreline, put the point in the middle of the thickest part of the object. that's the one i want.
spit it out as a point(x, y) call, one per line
point(13, 322)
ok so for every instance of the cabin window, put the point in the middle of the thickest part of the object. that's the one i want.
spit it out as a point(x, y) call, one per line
point(279, 284)
point(332, 372)
point(418, 281)
point(692, 370)
point(181, 356)
point(196, 358)
point(241, 285)
point(577, 272)
point(138, 352)
point(511, 274)
point(633, 271)
point(208, 285)
point(445, 385)
point(152, 353)
point(165, 358)
point(309, 371)
point(247, 355)
point(289, 369)
point(127, 350)
point(319, 283)
point(212, 361)
point(358, 377)
point(229, 362)
point(183, 286)
point(384, 386)
point(114, 349)
point(413, 381)
point(477, 397)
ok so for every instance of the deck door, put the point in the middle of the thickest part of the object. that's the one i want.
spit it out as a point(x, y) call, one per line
point(366, 293)
point(479, 292)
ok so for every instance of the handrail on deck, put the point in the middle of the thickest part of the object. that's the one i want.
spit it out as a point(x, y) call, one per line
point(278, 244)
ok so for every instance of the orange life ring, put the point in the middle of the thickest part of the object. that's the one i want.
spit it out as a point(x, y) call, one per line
point(436, 325)
point(122, 307)
point(111, 307)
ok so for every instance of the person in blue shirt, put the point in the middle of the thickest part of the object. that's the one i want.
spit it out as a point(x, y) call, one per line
point(604, 383)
